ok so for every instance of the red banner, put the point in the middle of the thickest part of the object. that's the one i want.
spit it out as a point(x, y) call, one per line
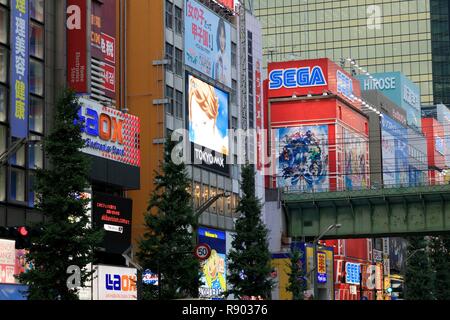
point(77, 41)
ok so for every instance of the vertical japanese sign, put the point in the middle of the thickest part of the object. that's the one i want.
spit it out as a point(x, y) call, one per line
point(77, 35)
point(321, 267)
point(19, 68)
point(103, 42)
point(259, 114)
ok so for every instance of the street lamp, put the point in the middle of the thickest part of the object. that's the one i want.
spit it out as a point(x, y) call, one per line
point(315, 243)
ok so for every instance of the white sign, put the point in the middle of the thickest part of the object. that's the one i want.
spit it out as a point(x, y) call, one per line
point(353, 290)
point(7, 261)
point(109, 227)
point(115, 283)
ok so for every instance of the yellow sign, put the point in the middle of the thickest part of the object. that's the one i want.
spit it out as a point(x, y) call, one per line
point(321, 263)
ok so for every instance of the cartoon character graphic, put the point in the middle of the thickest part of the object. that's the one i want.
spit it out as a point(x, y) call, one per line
point(214, 272)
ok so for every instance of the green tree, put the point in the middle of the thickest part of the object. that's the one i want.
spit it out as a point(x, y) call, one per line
point(440, 264)
point(418, 276)
point(168, 244)
point(297, 284)
point(249, 260)
point(65, 237)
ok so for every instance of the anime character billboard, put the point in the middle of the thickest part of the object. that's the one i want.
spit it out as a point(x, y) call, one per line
point(356, 170)
point(302, 154)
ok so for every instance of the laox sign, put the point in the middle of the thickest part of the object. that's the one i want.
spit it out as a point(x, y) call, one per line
point(116, 282)
point(296, 77)
point(104, 126)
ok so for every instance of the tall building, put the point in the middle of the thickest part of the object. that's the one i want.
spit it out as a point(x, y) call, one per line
point(407, 36)
point(177, 52)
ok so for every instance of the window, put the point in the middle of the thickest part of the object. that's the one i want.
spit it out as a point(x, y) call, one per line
point(4, 26)
point(36, 77)
point(179, 104)
point(178, 62)
point(233, 54)
point(169, 56)
point(36, 115)
point(17, 187)
point(3, 65)
point(35, 156)
point(178, 20)
point(2, 183)
point(234, 91)
point(3, 133)
point(169, 96)
point(169, 15)
point(18, 158)
point(37, 41)
point(37, 10)
point(31, 195)
point(3, 103)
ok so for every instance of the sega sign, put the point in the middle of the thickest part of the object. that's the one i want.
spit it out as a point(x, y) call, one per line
point(109, 133)
point(297, 77)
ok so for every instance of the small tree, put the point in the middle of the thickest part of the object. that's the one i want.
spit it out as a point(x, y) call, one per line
point(418, 277)
point(167, 245)
point(296, 275)
point(440, 264)
point(66, 237)
point(250, 259)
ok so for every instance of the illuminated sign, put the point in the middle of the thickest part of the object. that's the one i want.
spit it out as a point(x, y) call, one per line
point(386, 83)
point(110, 133)
point(115, 283)
point(296, 78)
point(113, 214)
point(321, 267)
point(7, 261)
point(344, 85)
point(352, 273)
point(150, 278)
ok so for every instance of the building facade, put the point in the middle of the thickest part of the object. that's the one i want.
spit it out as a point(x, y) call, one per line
point(407, 36)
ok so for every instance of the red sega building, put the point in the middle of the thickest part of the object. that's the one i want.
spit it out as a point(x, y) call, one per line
point(318, 132)
point(433, 131)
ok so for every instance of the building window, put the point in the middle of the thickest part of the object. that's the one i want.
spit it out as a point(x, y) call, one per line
point(234, 91)
point(178, 62)
point(3, 64)
point(4, 26)
point(178, 20)
point(31, 195)
point(37, 41)
point(18, 158)
point(3, 103)
point(35, 156)
point(233, 54)
point(17, 186)
point(169, 97)
point(169, 15)
point(169, 56)
point(3, 135)
point(179, 104)
point(36, 77)
point(234, 123)
point(36, 115)
point(37, 10)
point(2, 183)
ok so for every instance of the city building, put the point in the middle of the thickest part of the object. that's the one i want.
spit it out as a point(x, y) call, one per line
point(407, 36)
point(178, 50)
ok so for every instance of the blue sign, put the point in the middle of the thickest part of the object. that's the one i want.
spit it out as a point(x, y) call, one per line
point(322, 278)
point(344, 85)
point(19, 68)
point(352, 273)
point(148, 277)
point(296, 78)
point(399, 89)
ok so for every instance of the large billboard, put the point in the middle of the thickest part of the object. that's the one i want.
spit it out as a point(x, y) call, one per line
point(214, 270)
point(19, 68)
point(395, 153)
point(113, 215)
point(77, 46)
point(356, 171)
point(399, 90)
point(443, 116)
point(207, 39)
point(115, 283)
point(302, 158)
point(109, 133)
point(208, 123)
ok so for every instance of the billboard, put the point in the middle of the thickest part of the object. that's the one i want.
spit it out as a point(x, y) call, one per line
point(115, 283)
point(113, 215)
point(77, 46)
point(399, 90)
point(213, 270)
point(208, 123)
point(19, 68)
point(103, 42)
point(109, 133)
point(207, 39)
point(443, 116)
point(7, 261)
point(395, 153)
point(355, 160)
point(302, 158)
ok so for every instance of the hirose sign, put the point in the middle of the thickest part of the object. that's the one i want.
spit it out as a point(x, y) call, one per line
point(297, 77)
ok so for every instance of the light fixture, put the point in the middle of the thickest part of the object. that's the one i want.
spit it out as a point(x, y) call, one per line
point(294, 95)
point(309, 95)
point(325, 93)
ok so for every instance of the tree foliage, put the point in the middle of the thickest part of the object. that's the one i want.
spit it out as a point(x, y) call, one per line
point(297, 281)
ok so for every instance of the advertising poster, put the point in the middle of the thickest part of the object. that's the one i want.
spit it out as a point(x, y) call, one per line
point(401, 161)
point(7, 261)
point(302, 158)
point(355, 169)
point(113, 215)
point(388, 154)
point(115, 283)
point(109, 133)
point(207, 39)
point(443, 116)
point(77, 46)
point(208, 122)
point(19, 68)
point(214, 269)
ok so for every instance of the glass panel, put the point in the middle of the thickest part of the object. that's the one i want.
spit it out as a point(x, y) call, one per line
point(36, 77)
point(197, 195)
point(212, 193)
point(4, 26)
point(36, 116)
point(220, 204)
point(3, 135)
point(31, 194)
point(3, 103)
point(37, 10)
point(18, 158)
point(37, 40)
point(17, 190)
point(3, 65)
point(35, 156)
point(2, 183)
